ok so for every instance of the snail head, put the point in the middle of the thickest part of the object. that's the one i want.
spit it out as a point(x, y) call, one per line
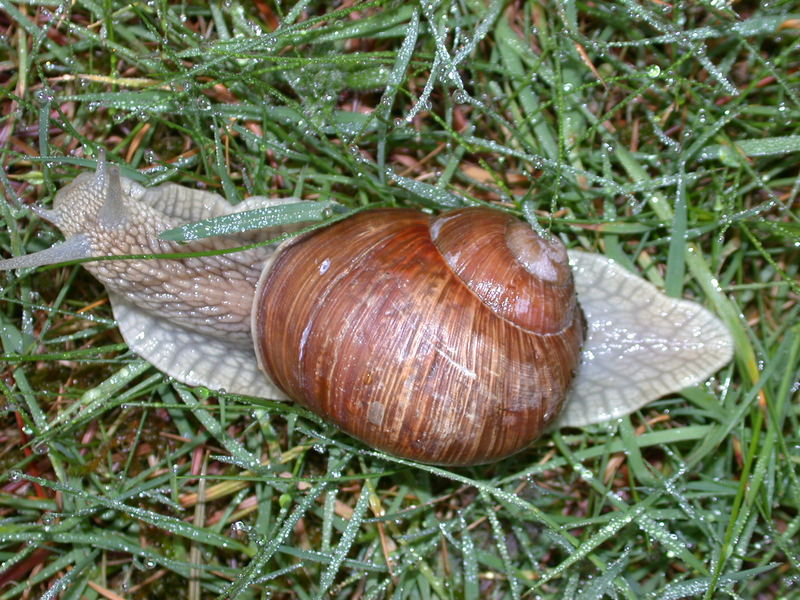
point(91, 202)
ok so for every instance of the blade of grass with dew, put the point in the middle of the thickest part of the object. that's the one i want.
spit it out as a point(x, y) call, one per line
point(731, 155)
point(510, 47)
point(95, 400)
point(642, 520)
point(502, 549)
point(248, 220)
point(676, 264)
point(250, 573)
point(215, 428)
point(339, 553)
point(434, 195)
point(395, 79)
point(167, 523)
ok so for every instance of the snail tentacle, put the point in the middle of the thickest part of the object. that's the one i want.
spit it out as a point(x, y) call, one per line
point(75, 248)
point(112, 214)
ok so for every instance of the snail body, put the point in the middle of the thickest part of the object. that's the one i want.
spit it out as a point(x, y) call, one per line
point(452, 340)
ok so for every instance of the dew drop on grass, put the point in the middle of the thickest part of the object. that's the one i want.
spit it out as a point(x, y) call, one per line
point(44, 95)
point(460, 97)
point(238, 527)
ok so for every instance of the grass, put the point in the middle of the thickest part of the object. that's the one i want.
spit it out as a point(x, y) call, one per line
point(663, 135)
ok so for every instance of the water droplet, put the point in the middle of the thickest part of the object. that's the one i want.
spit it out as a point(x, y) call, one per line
point(44, 95)
point(460, 97)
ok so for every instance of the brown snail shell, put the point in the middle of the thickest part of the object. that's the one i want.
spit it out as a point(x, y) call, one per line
point(471, 380)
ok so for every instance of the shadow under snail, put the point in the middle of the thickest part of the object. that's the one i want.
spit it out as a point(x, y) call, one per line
point(453, 339)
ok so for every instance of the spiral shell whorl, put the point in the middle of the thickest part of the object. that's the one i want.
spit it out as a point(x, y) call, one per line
point(518, 274)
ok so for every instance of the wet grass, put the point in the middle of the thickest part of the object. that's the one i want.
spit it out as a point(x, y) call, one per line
point(663, 136)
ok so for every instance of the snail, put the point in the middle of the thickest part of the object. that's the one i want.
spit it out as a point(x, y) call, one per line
point(454, 339)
